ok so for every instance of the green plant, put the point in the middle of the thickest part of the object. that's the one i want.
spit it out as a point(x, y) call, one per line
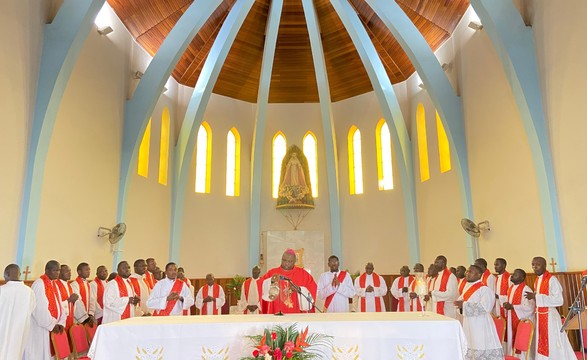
point(236, 284)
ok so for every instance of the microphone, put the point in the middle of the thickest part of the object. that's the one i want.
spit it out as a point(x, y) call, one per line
point(281, 277)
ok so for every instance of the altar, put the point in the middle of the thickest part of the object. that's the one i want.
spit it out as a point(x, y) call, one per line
point(366, 336)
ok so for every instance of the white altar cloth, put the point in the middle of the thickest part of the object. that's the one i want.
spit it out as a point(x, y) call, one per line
point(366, 336)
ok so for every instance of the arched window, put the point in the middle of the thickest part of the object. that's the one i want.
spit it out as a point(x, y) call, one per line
point(203, 158)
point(143, 162)
point(164, 147)
point(384, 165)
point(310, 148)
point(443, 146)
point(355, 161)
point(233, 162)
point(422, 143)
point(279, 150)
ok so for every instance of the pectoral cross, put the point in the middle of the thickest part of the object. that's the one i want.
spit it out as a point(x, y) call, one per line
point(552, 263)
point(26, 273)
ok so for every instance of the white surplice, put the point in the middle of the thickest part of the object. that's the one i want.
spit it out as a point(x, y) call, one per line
point(158, 298)
point(95, 308)
point(114, 304)
point(397, 293)
point(525, 310)
point(84, 310)
point(478, 325)
point(370, 297)
point(558, 343)
point(252, 299)
point(39, 344)
point(143, 294)
point(79, 311)
point(501, 298)
point(342, 293)
point(210, 305)
point(17, 302)
point(448, 296)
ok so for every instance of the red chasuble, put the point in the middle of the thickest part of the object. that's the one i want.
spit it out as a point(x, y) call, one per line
point(542, 314)
point(287, 302)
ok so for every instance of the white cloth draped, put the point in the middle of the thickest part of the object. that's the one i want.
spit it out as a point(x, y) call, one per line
point(370, 297)
point(142, 308)
point(342, 293)
point(17, 302)
point(449, 296)
point(158, 298)
point(558, 343)
point(210, 305)
point(114, 304)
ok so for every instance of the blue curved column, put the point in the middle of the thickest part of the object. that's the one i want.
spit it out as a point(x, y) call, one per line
point(138, 109)
point(327, 125)
point(392, 114)
point(446, 101)
point(514, 43)
point(259, 134)
point(62, 43)
point(195, 114)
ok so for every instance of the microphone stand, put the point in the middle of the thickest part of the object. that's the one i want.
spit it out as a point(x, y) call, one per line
point(298, 290)
point(576, 309)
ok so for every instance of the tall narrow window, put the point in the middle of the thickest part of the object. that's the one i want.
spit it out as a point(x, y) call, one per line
point(233, 162)
point(143, 163)
point(443, 146)
point(164, 147)
point(384, 165)
point(422, 143)
point(203, 158)
point(355, 161)
point(279, 150)
point(310, 146)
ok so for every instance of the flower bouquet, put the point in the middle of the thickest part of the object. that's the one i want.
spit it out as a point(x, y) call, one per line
point(281, 342)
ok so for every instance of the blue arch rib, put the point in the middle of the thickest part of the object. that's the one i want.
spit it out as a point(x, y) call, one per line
point(514, 43)
point(260, 124)
point(327, 125)
point(392, 114)
point(62, 43)
point(138, 109)
point(195, 114)
point(447, 103)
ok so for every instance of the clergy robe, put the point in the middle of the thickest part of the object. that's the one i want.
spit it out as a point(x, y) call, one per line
point(370, 301)
point(415, 304)
point(502, 284)
point(288, 300)
point(17, 302)
point(97, 288)
point(150, 280)
point(211, 306)
point(444, 293)
point(158, 298)
point(76, 312)
point(141, 289)
point(43, 321)
point(115, 304)
point(403, 298)
point(84, 294)
point(523, 309)
point(478, 325)
point(549, 339)
point(336, 299)
point(250, 295)
point(489, 280)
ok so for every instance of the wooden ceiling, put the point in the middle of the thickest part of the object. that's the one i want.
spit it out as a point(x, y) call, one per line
point(293, 79)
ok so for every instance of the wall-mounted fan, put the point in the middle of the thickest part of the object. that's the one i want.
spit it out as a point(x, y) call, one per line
point(115, 234)
point(474, 229)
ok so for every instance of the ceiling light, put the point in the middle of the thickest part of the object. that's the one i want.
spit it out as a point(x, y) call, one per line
point(475, 25)
point(105, 31)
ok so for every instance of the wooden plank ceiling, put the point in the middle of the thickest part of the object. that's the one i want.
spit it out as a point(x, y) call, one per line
point(293, 79)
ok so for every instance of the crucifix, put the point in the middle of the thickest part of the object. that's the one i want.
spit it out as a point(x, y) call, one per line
point(552, 263)
point(26, 273)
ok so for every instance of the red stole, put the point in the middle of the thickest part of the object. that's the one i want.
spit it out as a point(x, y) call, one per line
point(515, 298)
point(443, 284)
point(376, 283)
point(247, 285)
point(485, 276)
point(340, 277)
point(176, 288)
point(150, 280)
point(100, 292)
point(418, 303)
point(215, 295)
point(462, 283)
point(52, 294)
point(400, 285)
point(123, 292)
point(187, 281)
point(135, 285)
point(542, 314)
point(502, 289)
point(84, 291)
point(65, 293)
point(471, 290)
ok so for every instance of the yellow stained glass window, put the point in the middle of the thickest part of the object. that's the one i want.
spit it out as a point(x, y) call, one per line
point(279, 150)
point(355, 161)
point(384, 160)
point(203, 158)
point(310, 146)
point(233, 161)
point(422, 143)
point(143, 162)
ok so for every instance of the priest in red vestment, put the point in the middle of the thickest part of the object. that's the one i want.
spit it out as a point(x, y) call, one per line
point(281, 287)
